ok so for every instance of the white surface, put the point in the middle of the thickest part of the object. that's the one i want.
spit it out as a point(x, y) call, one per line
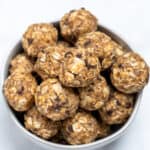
point(129, 18)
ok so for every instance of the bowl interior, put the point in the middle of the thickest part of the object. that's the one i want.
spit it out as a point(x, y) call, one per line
point(116, 129)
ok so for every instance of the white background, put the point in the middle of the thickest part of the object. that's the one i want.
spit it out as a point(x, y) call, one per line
point(128, 18)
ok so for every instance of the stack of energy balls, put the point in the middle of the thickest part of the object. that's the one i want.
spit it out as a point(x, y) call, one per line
point(73, 82)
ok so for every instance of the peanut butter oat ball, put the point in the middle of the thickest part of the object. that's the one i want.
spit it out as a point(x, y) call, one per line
point(130, 73)
point(76, 23)
point(19, 89)
point(79, 68)
point(102, 45)
point(21, 63)
point(81, 129)
point(40, 125)
point(55, 101)
point(117, 109)
point(37, 37)
point(49, 61)
point(95, 41)
point(95, 95)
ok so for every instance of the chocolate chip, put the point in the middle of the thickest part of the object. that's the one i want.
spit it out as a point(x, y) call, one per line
point(100, 59)
point(67, 112)
point(87, 43)
point(118, 103)
point(90, 89)
point(75, 75)
point(128, 105)
point(92, 84)
point(109, 112)
point(57, 107)
point(79, 55)
point(30, 41)
point(20, 90)
point(47, 41)
point(68, 54)
point(70, 128)
point(120, 66)
point(57, 99)
point(89, 66)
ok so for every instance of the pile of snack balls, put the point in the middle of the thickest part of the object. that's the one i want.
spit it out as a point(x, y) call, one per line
point(67, 74)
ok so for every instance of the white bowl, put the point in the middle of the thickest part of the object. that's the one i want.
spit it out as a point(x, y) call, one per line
point(51, 146)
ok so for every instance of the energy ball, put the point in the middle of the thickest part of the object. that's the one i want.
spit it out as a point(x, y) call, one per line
point(49, 61)
point(37, 37)
point(94, 40)
point(19, 89)
point(81, 129)
point(55, 101)
point(39, 124)
point(79, 68)
point(129, 73)
point(117, 109)
point(21, 63)
point(102, 45)
point(76, 23)
point(95, 95)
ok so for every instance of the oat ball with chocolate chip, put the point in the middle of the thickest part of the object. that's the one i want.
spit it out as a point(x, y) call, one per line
point(19, 89)
point(21, 63)
point(79, 67)
point(40, 125)
point(130, 73)
point(76, 23)
point(55, 101)
point(37, 37)
point(82, 128)
point(49, 61)
point(118, 108)
point(95, 95)
point(102, 45)
point(94, 40)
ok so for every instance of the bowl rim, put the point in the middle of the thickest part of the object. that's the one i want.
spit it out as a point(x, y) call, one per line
point(104, 140)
